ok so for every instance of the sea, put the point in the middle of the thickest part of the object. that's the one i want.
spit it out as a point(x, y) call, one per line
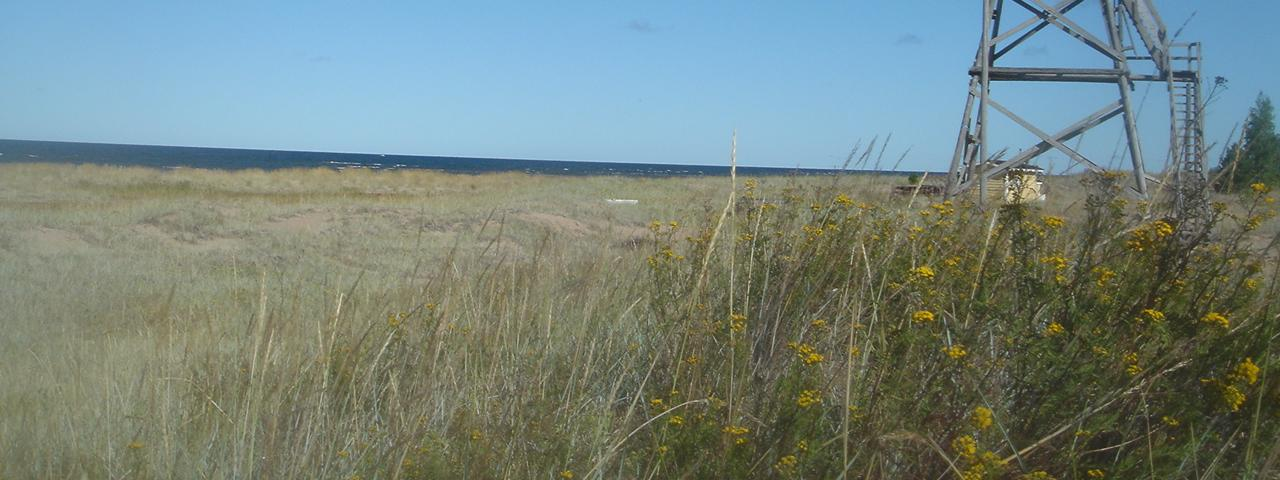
point(170, 157)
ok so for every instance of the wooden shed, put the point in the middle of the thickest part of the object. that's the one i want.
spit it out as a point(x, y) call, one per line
point(1021, 184)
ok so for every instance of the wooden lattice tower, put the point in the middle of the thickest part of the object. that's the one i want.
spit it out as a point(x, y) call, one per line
point(1141, 56)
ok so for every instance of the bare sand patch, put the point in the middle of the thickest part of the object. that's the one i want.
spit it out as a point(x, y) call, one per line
point(310, 221)
point(183, 242)
point(557, 223)
point(48, 240)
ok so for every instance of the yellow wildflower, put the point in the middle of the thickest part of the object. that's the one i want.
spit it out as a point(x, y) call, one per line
point(395, 319)
point(1259, 187)
point(1232, 397)
point(922, 316)
point(1246, 371)
point(736, 431)
point(675, 421)
point(981, 418)
point(656, 403)
point(1037, 475)
point(786, 463)
point(922, 272)
point(812, 358)
point(1215, 318)
point(1170, 421)
point(1152, 315)
point(807, 353)
point(1057, 261)
point(1097, 473)
point(692, 360)
point(843, 200)
point(1053, 222)
point(135, 445)
point(566, 474)
point(965, 446)
point(956, 352)
point(1053, 328)
point(809, 398)
point(1104, 275)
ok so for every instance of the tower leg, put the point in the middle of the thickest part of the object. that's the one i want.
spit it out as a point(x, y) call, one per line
point(960, 158)
point(1126, 87)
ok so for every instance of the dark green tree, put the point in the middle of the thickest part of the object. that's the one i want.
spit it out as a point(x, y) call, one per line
point(1256, 157)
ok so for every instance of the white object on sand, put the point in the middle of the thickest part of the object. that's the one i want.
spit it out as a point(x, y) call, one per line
point(621, 201)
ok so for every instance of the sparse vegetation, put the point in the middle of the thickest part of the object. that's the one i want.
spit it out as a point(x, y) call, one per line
point(315, 324)
point(1256, 157)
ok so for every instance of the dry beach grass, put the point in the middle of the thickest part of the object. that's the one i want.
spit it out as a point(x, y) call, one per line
point(323, 324)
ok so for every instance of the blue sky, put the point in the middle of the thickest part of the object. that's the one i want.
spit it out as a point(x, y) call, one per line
point(665, 82)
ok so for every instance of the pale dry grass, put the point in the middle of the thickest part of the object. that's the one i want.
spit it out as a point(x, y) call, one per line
point(126, 292)
point(323, 324)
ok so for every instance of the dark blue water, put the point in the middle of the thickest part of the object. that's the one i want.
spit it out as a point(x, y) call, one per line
point(16, 151)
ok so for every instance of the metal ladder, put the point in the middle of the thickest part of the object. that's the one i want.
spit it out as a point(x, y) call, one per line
point(1187, 131)
point(1189, 126)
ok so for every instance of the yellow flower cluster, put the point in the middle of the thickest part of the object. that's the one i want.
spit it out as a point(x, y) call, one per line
point(922, 316)
point(566, 474)
point(1053, 328)
point(395, 319)
point(809, 398)
point(843, 200)
point(981, 418)
point(965, 446)
point(1215, 318)
point(1146, 237)
point(738, 432)
point(1259, 188)
point(1104, 275)
point(1131, 358)
point(922, 272)
point(956, 351)
point(1058, 262)
point(811, 232)
point(807, 353)
point(1155, 316)
point(786, 463)
point(945, 208)
point(675, 421)
point(1230, 395)
point(1096, 473)
point(1037, 475)
point(737, 322)
point(1246, 372)
point(1053, 222)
